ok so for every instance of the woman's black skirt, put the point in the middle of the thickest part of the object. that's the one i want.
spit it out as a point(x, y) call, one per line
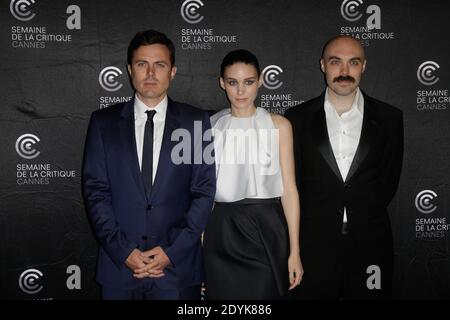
point(246, 247)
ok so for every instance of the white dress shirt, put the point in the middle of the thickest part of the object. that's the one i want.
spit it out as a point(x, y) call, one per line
point(344, 132)
point(140, 118)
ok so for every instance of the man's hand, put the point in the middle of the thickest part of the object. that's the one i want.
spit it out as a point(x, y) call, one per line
point(158, 260)
point(136, 260)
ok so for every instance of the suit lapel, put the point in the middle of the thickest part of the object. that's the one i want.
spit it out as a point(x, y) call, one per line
point(369, 131)
point(171, 123)
point(320, 134)
point(128, 139)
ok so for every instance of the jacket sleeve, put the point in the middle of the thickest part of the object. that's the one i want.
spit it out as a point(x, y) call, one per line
point(202, 189)
point(97, 198)
point(295, 123)
point(393, 158)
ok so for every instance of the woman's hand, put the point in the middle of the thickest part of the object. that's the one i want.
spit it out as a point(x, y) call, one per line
point(295, 270)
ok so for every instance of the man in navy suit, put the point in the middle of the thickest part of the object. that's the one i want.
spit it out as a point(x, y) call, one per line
point(148, 204)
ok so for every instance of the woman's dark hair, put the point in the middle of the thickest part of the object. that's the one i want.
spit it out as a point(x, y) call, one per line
point(148, 37)
point(239, 55)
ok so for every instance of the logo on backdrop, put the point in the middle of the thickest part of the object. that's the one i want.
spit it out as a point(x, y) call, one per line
point(424, 201)
point(25, 146)
point(21, 9)
point(425, 73)
point(38, 37)
point(270, 80)
point(275, 102)
point(108, 80)
point(349, 10)
point(429, 227)
point(30, 281)
point(431, 99)
point(201, 38)
point(353, 11)
point(35, 173)
point(189, 11)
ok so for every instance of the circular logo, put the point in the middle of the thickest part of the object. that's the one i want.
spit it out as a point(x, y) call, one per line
point(20, 9)
point(270, 74)
point(107, 79)
point(423, 201)
point(189, 11)
point(349, 10)
point(425, 73)
point(29, 281)
point(24, 146)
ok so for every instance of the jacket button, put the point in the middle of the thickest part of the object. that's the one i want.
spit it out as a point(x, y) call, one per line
point(144, 237)
point(346, 185)
point(149, 207)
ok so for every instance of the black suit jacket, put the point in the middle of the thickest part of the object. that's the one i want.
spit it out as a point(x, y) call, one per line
point(368, 189)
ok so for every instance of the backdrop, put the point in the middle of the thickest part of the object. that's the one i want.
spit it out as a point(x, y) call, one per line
point(61, 60)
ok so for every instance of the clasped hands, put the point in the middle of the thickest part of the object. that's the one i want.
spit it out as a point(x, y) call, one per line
point(148, 264)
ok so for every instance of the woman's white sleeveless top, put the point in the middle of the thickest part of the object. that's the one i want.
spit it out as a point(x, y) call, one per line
point(247, 156)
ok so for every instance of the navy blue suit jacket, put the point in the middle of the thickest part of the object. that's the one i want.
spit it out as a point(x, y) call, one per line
point(124, 218)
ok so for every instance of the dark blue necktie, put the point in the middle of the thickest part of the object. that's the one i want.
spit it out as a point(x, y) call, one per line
point(147, 153)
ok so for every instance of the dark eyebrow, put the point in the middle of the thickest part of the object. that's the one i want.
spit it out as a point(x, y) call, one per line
point(143, 60)
point(352, 59)
point(250, 78)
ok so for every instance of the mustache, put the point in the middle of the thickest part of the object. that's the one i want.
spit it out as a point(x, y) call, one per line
point(344, 78)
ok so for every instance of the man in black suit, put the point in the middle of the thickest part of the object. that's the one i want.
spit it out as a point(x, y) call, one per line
point(349, 151)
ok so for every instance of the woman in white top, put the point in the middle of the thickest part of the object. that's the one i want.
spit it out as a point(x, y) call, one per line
point(252, 238)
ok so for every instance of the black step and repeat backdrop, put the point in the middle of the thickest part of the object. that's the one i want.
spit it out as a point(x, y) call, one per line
point(61, 60)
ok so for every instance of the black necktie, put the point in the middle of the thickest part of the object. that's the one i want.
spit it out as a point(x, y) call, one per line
point(147, 153)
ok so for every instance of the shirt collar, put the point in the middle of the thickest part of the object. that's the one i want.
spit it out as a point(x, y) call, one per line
point(357, 105)
point(140, 108)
